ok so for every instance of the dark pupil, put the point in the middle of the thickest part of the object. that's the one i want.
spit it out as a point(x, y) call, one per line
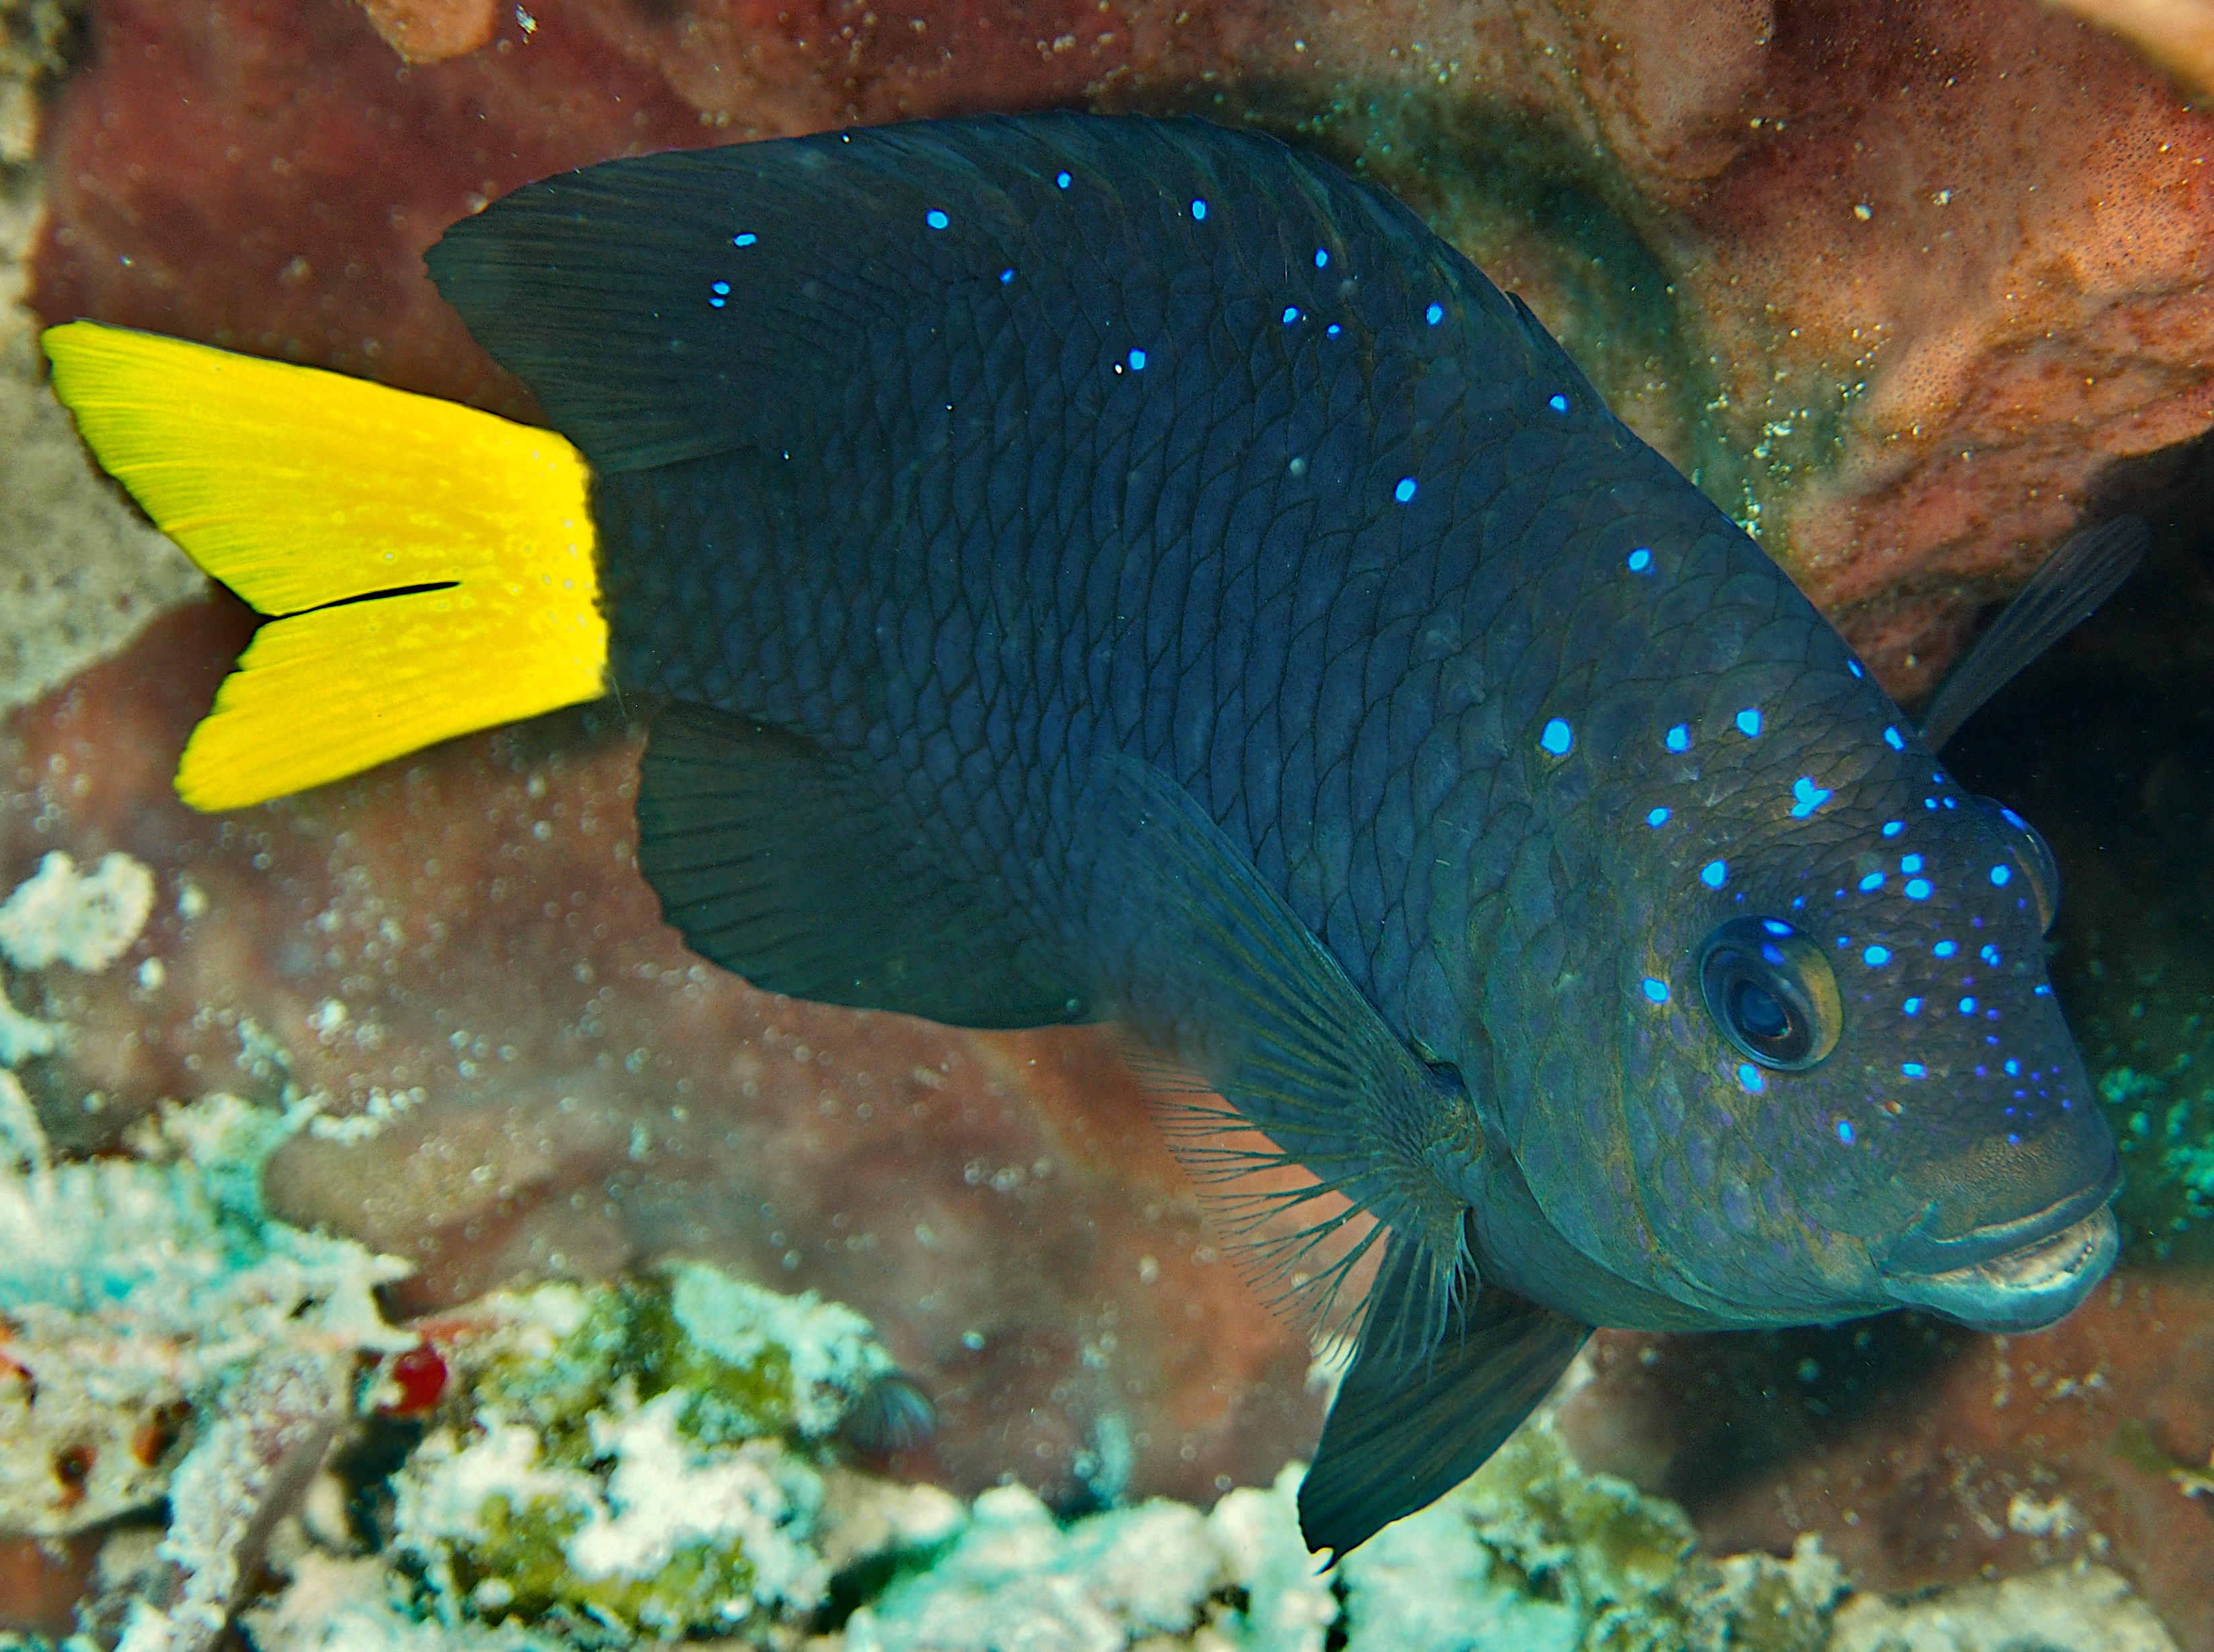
point(1756, 1013)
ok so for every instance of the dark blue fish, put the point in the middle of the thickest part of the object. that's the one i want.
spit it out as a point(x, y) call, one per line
point(1103, 568)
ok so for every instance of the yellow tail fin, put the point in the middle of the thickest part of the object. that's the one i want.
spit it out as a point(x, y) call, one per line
point(333, 503)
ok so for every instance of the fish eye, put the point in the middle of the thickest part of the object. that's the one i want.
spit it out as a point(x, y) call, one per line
point(2031, 853)
point(1771, 990)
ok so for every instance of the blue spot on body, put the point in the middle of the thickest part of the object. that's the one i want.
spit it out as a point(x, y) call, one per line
point(1945, 949)
point(2012, 819)
point(1749, 1075)
point(1640, 560)
point(1291, 314)
point(1989, 955)
point(1917, 888)
point(935, 219)
point(1967, 1006)
point(1322, 258)
point(1714, 874)
point(1876, 956)
point(2014, 1068)
point(1872, 881)
point(1952, 802)
point(1061, 179)
point(2041, 990)
point(1807, 796)
point(1845, 1131)
point(1198, 209)
point(1333, 329)
point(723, 287)
point(1912, 1006)
point(1557, 402)
point(1137, 361)
point(1892, 828)
point(1006, 276)
point(1999, 874)
point(1657, 817)
point(1912, 1069)
point(1891, 738)
point(1435, 313)
point(1909, 863)
point(1406, 491)
point(1557, 737)
point(1748, 722)
point(1656, 989)
point(1679, 738)
point(746, 240)
point(1854, 666)
point(1774, 926)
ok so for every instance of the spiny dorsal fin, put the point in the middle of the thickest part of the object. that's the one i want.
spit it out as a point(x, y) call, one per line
point(2060, 596)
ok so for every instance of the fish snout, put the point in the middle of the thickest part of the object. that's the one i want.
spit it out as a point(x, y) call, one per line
point(2022, 1274)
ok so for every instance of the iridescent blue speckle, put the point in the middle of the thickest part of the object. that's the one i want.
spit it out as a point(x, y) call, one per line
point(1406, 490)
point(1999, 876)
point(1333, 329)
point(1679, 738)
point(1557, 737)
point(1845, 1131)
point(1714, 873)
point(746, 240)
point(1917, 888)
point(1990, 956)
point(1198, 209)
point(1912, 1069)
point(1912, 1006)
point(1891, 738)
point(1006, 276)
point(1892, 828)
point(1322, 258)
point(1875, 956)
point(1557, 402)
point(2012, 819)
point(1061, 179)
point(2014, 1068)
point(1137, 361)
point(1656, 817)
point(1807, 796)
point(1945, 949)
point(1748, 722)
point(1640, 560)
point(718, 286)
point(1872, 881)
point(1774, 926)
point(1967, 1006)
point(1854, 666)
point(1656, 989)
point(1909, 863)
point(1435, 313)
point(1291, 314)
point(935, 219)
point(1750, 1077)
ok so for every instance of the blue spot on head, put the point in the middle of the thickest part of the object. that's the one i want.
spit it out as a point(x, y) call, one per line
point(2014, 1068)
point(1892, 828)
point(2012, 819)
point(1557, 402)
point(1557, 737)
point(1679, 738)
point(935, 219)
point(1989, 955)
point(1061, 180)
point(1912, 1069)
point(1945, 949)
point(1749, 1075)
point(1640, 560)
point(1137, 361)
point(1748, 722)
point(717, 303)
point(745, 239)
point(1774, 927)
point(1656, 817)
point(1967, 1006)
point(1854, 666)
point(1872, 881)
point(1322, 258)
point(2041, 990)
point(1845, 1131)
point(1952, 802)
point(1909, 863)
point(1006, 275)
point(1917, 888)
point(723, 287)
point(1714, 873)
point(1198, 209)
point(1406, 490)
point(1291, 314)
point(1333, 329)
point(1912, 1006)
point(1876, 956)
point(1891, 738)
point(1999, 874)
point(1435, 313)
point(1930, 802)
point(1807, 796)
point(1656, 989)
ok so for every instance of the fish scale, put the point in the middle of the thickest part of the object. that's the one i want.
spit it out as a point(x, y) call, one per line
point(1101, 568)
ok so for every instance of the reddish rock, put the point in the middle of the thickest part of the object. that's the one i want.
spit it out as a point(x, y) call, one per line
point(1926, 1454)
point(460, 944)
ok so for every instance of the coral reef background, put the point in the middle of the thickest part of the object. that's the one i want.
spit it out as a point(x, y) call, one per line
point(1909, 288)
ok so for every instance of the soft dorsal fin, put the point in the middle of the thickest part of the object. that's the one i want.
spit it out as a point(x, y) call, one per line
point(1398, 1440)
point(807, 873)
point(1207, 966)
point(2060, 596)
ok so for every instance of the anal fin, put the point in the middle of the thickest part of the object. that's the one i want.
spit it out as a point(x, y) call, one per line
point(808, 873)
point(1401, 1436)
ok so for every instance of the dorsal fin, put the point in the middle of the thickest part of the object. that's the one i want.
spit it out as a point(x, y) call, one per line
point(2060, 596)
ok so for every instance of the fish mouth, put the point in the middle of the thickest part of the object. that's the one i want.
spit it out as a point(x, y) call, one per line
point(2025, 1288)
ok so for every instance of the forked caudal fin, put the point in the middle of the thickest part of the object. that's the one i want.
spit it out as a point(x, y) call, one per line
point(429, 568)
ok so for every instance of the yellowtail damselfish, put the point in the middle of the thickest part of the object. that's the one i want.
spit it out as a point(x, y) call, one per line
point(1098, 568)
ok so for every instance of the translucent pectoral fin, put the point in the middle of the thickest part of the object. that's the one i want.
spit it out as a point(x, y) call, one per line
point(1401, 1436)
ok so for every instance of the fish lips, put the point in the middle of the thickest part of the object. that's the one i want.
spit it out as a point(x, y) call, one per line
point(2021, 1275)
